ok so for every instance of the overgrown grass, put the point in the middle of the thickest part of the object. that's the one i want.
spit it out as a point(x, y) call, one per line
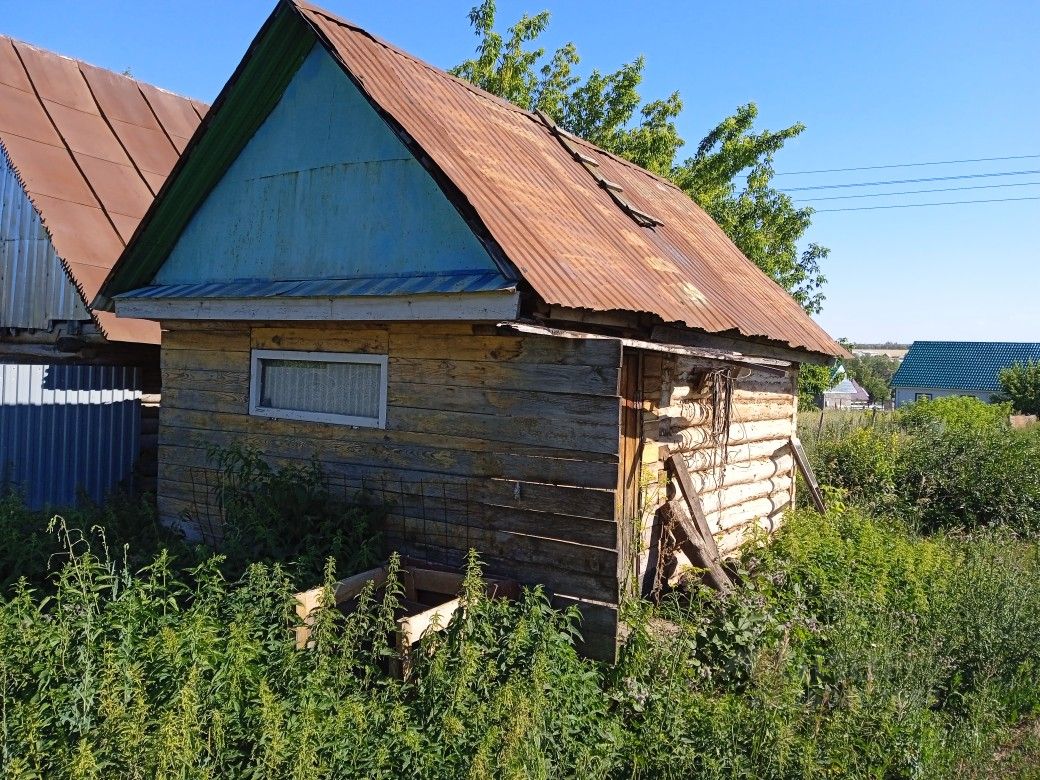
point(868, 642)
point(852, 648)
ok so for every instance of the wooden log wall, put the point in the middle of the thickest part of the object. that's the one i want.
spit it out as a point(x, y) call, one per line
point(521, 430)
point(745, 480)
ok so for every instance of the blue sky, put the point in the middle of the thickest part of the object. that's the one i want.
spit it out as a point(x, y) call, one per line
point(876, 84)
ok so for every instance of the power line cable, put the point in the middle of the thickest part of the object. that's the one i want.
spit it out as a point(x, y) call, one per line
point(916, 192)
point(919, 205)
point(909, 181)
point(910, 165)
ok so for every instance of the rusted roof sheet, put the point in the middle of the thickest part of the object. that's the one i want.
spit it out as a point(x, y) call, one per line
point(91, 148)
point(569, 239)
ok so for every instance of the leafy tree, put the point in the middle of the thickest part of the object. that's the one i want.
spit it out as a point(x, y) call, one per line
point(730, 175)
point(1021, 384)
point(812, 380)
point(873, 373)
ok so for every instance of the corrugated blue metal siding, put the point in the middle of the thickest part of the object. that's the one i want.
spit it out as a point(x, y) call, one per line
point(417, 284)
point(67, 430)
point(34, 289)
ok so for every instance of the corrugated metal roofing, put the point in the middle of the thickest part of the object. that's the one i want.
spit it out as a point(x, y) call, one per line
point(91, 149)
point(419, 284)
point(571, 240)
point(961, 365)
point(34, 288)
point(563, 231)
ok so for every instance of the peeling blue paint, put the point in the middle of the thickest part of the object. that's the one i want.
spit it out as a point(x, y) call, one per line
point(323, 190)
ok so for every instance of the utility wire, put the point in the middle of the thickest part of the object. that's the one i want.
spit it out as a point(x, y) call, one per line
point(910, 165)
point(909, 181)
point(919, 205)
point(937, 189)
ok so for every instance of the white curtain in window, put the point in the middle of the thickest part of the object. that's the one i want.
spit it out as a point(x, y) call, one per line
point(318, 386)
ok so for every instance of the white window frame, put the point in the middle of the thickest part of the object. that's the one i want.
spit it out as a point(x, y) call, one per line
point(325, 357)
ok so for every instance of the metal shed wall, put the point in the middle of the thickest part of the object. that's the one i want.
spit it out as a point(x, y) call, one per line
point(34, 288)
point(67, 430)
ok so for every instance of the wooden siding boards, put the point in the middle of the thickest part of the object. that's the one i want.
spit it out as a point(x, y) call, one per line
point(536, 469)
point(323, 190)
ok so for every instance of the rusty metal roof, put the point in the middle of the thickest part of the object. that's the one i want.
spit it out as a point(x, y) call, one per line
point(91, 149)
point(563, 230)
point(584, 229)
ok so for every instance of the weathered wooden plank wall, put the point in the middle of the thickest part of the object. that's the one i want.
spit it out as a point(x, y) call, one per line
point(744, 482)
point(524, 429)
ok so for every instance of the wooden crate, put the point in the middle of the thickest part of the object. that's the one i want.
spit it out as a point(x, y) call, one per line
point(431, 598)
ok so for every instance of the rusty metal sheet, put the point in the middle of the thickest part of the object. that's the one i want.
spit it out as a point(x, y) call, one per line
point(47, 170)
point(149, 148)
point(11, 71)
point(120, 188)
point(565, 234)
point(175, 113)
point(117, 96)
point(86, 133)
point(21, 114)
point(124, 137)
point(56, 78)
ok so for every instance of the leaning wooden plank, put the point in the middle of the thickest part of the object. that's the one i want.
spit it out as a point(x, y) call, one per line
point(692, 544)
point(808, 475)
point(411, 628)
point(682, 475)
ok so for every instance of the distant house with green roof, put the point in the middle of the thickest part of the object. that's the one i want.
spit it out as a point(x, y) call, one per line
point(933, 369)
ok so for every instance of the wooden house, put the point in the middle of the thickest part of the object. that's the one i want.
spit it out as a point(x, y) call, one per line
point(362, 257)
point(82, 153)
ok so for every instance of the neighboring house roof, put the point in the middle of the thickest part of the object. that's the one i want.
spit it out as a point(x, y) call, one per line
point(583, 228)
point(91, 148)
point(849, 387)
point(961, 365)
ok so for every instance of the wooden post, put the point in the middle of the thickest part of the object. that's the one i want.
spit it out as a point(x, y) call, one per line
point(807, 474)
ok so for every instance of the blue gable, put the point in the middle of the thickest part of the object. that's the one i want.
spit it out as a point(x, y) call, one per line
point(323, 190)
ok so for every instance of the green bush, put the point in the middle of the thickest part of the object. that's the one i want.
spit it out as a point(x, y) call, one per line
point(1021, 384)
point(288, 516)
point(948, 463)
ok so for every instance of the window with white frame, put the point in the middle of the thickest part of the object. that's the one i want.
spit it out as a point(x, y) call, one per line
point(332, 387)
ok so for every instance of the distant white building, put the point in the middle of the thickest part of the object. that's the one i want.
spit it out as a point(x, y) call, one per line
point(933, 369)
point(847, 394)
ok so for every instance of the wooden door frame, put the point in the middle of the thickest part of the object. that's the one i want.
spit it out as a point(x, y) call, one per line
point(630, 459)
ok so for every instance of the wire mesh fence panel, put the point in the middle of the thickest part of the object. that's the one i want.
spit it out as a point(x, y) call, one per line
point(427, 518)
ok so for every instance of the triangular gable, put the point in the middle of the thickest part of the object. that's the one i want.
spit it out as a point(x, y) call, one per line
point(323, 190)
point(35, 289)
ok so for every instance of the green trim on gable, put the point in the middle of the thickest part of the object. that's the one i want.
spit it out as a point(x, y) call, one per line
point(245, 102)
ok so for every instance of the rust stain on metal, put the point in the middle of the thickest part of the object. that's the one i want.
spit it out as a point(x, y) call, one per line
point(568, 235)
point(91, 148)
